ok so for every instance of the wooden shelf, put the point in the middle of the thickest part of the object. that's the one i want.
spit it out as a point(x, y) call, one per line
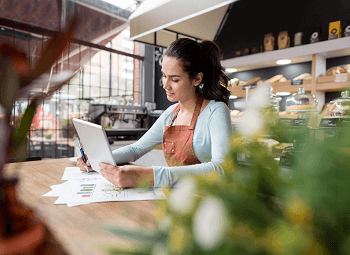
point(287, 87)
point(329, 49)
point(333, 86)
point(239, 92)
point(280, 87)
point(317, 53)
point(277, 87)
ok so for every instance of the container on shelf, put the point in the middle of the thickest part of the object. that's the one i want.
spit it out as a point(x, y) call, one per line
point(302, 107)
point(340, 107)
point(334, 78)
point(271, 112)
point(301, 102)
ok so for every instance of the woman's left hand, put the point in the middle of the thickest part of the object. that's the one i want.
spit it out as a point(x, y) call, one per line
point(128, 176)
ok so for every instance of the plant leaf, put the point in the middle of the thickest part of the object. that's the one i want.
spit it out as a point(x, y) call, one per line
point(9, 84)
point(148, 237)
point(20, 135)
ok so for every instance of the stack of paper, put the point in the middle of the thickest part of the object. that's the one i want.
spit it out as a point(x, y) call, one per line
point(84, 188)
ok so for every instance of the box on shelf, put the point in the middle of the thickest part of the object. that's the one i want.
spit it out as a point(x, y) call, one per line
point(334, 30)
point(334, 78)
point(245, 52)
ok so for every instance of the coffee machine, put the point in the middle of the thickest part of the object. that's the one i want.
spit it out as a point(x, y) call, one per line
point(120, 121)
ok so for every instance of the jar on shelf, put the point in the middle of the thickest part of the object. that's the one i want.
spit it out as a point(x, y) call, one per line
point(340, 107)
point(304, 106)
point(271, 112)
point(301, 102)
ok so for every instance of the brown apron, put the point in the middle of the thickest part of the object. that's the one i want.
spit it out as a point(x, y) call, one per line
point(177, 140)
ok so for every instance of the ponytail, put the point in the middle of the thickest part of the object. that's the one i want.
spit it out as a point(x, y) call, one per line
point(202, 57)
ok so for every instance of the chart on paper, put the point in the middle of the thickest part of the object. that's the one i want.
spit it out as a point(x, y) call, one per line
point(100, 190)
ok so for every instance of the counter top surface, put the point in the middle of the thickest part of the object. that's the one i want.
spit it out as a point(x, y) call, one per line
point(78, 229)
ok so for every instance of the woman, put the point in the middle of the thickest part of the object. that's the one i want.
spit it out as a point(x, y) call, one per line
point(194, 133)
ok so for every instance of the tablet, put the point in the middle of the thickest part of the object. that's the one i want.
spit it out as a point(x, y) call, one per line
point(95, 143)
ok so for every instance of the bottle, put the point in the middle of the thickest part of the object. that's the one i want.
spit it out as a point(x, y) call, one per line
point(316, 36)
point(298, 39)
point(346, 30)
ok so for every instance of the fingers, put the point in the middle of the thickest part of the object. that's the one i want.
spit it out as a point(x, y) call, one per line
point(86, 167)
point(109, 168)
point(81, 164)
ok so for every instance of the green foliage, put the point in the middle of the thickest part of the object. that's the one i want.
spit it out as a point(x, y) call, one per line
point(48, 136)
point(18, 80)
point(268, 209)
point(18, 141)
point(68, 130)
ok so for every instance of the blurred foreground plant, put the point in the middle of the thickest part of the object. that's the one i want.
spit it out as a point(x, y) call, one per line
point(20, 231)
point(258, 207)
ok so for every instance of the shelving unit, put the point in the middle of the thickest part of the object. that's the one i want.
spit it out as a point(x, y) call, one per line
point(329, 49)
point(317, 53)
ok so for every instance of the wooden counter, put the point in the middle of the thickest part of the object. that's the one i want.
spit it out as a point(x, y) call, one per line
point(78, 229)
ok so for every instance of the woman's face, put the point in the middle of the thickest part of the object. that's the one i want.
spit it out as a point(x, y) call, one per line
point(177, 84)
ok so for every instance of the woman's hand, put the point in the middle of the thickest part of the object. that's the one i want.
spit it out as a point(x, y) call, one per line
point(84, 166)
point(128, 176)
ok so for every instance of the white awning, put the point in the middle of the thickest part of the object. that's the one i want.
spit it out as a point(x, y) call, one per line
point(160, 22)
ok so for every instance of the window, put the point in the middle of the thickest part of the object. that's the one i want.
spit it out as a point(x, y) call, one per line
point(106, 75)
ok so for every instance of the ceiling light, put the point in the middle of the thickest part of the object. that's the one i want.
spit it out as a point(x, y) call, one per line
point(282, 94)
point(283, 61)
point(230, 70)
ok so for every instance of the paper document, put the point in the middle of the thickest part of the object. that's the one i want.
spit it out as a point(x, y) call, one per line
point(74, 173)
point(84, 188)
point(56, 190)
point(101, 190)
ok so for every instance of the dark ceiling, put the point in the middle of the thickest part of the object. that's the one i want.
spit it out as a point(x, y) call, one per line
point(249, 20)
point(95, 17)
point(97, 22)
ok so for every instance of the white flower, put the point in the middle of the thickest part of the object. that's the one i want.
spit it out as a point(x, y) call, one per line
point(260, 98)
point(210, 223)
point(252, 121)
point(182, 197)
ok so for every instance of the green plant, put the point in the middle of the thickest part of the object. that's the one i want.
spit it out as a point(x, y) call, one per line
point(20, 81)
point(259, 207)
point(48, 136)
point(68, 130)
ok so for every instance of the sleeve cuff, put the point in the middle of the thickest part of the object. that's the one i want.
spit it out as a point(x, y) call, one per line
point(161, 177)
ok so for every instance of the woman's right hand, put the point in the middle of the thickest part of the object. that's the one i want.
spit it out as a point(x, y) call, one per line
point(84, 166)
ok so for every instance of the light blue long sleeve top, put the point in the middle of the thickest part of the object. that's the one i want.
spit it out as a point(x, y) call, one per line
point(210, 142)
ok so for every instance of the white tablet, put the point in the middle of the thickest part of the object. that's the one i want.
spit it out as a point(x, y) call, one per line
point(95, 143)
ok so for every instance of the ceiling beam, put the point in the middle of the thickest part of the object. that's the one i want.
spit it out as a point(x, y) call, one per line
point(106, 8)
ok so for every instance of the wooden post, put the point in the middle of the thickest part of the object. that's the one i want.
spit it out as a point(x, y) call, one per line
point(318, 68)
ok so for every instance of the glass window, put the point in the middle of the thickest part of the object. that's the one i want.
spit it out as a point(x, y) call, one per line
point(105, 76)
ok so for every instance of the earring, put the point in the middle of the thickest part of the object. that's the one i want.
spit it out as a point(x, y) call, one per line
point(201, 86)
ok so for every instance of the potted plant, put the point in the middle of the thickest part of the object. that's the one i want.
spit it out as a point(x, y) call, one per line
point(20, 231)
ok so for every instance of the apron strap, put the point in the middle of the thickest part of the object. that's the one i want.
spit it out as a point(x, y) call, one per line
point(195, 115)
point(196, 111)
point(174, 115)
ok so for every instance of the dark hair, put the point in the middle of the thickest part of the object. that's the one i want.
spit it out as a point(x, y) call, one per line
point(196, 57)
